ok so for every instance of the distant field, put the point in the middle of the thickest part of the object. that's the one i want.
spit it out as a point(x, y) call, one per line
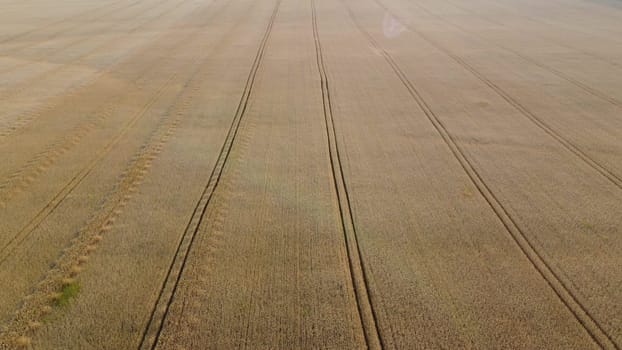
point(310, 174)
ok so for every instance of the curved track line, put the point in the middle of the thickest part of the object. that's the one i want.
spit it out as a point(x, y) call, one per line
point(580, 311)
point(152, 332)
point(358, 271)
point(80, 176)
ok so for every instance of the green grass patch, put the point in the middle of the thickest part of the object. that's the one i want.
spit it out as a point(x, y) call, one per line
point(69, 292)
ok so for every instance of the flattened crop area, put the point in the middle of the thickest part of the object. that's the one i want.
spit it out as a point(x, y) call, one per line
point(311, 174)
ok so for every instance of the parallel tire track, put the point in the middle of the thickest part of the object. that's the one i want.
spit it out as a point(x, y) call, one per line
point(167, 292)
point(358, 270)
point(615, 179)
point(84, 172)
point(559, 286)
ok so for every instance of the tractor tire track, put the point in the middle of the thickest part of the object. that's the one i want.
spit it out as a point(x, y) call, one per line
point(557, 284)
point(358, 271)
point(19, 180)
point(152, 332)
point(29, 227)
point(29, 116)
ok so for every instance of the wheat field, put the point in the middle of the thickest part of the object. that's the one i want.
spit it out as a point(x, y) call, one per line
point(311, 174)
